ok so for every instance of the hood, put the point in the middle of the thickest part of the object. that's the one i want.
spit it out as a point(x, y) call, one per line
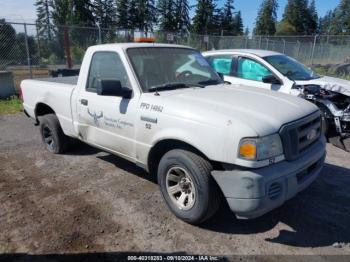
point(263, 111)
point(330, 83)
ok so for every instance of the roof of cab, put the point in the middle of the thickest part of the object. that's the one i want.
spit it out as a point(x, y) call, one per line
point(258, 52)
point(135, 45)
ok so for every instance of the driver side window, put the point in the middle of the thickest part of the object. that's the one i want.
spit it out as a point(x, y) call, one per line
point(222, 64)
point(251, 70)
point(106, 65)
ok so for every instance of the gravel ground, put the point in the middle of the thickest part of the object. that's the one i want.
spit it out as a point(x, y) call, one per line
point(89, 204)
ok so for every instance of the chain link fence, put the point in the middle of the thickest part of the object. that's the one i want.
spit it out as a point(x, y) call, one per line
point(310, 50)
point(33, 51)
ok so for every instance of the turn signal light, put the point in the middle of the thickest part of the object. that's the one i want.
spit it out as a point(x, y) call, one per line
point(247, 150)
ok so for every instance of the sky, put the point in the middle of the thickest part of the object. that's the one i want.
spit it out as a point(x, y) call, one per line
point(24, 10)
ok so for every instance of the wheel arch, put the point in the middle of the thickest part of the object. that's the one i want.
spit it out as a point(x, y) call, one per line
point(165, 145)
point(42, 109)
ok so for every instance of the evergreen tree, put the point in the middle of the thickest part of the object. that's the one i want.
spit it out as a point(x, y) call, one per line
point(285, 28)
point(326, 23)
point(105, 13)
point(205, 18)
point(297, 17)
point(43, 20)
point(7, 40)
point(267, 18)
point(313, 18)
point(82, 13)
point(72, 12)
point(122, 14)
point(216, 21)
point(166, 15)
point(143, 15)
point(132, 14)
point(20, 49)
point(246, 31)
point(227, 18)
point(182, 10)
point(61, 12)
point(238, 24)
point(341, 20)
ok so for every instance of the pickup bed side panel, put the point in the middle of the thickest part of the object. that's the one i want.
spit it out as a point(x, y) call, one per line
point(55, 95)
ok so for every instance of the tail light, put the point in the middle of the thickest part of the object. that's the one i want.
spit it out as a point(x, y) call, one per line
point(20, 94)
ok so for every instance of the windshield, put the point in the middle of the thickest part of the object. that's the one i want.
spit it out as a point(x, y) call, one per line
point(291, 68)
point(167, 68)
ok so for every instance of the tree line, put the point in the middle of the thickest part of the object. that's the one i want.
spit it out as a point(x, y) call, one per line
point(142, 15)
point(300, 18)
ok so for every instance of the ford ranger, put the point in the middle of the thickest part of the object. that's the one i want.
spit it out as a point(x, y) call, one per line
point(164, 108)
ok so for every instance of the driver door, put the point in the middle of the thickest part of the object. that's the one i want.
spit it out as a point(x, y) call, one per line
point(107, 121)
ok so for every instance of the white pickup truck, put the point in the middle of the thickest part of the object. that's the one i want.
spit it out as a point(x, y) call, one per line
point(202, 138)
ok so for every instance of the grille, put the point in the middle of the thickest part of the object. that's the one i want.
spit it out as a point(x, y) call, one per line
point(298, 136)
point(275, 190)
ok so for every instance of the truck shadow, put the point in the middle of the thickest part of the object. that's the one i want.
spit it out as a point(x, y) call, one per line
point(317, 217)
point(129, 167)
point(78, 148)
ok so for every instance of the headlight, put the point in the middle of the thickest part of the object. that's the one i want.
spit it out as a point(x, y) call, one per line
point(260, 148)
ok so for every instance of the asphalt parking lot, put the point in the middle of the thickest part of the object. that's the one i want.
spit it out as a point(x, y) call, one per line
point(91, 202)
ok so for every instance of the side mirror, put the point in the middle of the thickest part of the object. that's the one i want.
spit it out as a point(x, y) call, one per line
point(109, 87)
point(271, 79)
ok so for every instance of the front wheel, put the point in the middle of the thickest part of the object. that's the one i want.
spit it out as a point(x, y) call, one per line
point(187, 186)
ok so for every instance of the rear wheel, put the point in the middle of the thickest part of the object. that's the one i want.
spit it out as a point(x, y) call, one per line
point(187, 186)
point(52, 135)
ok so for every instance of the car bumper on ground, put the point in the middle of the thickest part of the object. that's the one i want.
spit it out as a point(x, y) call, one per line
point(251, 193)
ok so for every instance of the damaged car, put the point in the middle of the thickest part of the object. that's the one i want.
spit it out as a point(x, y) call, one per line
point(278, 72)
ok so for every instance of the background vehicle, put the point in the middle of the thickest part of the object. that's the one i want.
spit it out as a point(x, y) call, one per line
point(164, 108)
point(278, 72)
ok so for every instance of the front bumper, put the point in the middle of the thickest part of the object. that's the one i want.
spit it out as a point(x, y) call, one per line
point(251, 193)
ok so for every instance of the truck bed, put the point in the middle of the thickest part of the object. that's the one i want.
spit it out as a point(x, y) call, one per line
point(55, 92)
point(68, 80)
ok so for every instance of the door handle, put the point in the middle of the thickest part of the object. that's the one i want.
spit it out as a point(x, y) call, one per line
point(84, 102)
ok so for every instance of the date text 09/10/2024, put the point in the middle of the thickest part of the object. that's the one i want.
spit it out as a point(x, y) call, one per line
point(173, 258)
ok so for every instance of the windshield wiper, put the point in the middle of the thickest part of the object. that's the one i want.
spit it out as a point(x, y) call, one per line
point(172, 86)
point(210, 82)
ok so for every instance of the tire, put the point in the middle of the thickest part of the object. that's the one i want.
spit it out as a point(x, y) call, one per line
point(326, 127)
point(52, 135)
point(193, 175)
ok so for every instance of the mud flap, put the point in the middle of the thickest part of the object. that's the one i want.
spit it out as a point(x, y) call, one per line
point(343, 143)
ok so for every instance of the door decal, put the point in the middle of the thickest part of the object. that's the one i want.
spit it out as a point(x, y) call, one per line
point(96, 117)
